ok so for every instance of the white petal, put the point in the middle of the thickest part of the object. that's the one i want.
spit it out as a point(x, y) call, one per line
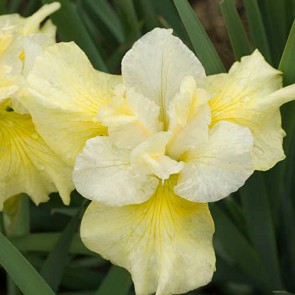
point(150, 156)
point(218, 167)
point(104, 173)
point(156, 65)
point(165, 243)
point(189, 118)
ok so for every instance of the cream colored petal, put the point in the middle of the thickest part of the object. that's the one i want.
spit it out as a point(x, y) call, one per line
point(104, 173)
point(189, 118)
point(27, 164)
point(218, 167)
point(32, 23)
point(165, 243)
point(8, 83)
point(65, 94)
point(156, 65)
point(150, 156)
point(130, 117)
point(257, 112)
point(250, 95)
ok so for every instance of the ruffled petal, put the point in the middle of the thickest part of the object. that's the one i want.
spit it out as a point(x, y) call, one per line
point(165, 243)
point(218, 167)
point(156, 65)
point(150, 156)
point(65, 94)
point(104, 173)
point(130, 117)
point(250, 95)
point(189, 118)
point(27, 164)
point(31, 25)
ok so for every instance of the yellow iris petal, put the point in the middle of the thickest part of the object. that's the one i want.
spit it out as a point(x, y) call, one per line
point(27, 164)
point(154, 239)
point(249, 95)
point(65, 94)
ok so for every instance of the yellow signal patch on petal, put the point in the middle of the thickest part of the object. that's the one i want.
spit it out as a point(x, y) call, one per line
point(64, 97)
point(27, 164)
point(165, 243)
point(249, 95)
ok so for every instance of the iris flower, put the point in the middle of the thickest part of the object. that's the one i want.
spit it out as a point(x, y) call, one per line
point(170, 141)
point(27, 164)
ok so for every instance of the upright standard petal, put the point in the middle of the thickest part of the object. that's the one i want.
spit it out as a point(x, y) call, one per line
point(27, 164)
point(217, 167)
point(165, 243)
point(247, 96)
point(156, 65)
point(65, 94)
point(104, 173)
point(189, 118)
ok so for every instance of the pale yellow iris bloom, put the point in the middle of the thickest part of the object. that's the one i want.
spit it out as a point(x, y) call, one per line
point(172, 140)
point(27, 164)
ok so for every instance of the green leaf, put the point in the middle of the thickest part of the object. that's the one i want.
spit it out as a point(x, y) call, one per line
point(14, 6)
point(202, 45)
point(261, 227)
point(104, 11)
point(117, 281)
point(2, 7)
point(149, 16)
point(45, 242)
point(288, 59)
point(169, 16)
point(128, 16)
point(21, 271)
point(238, 248)
point(17, 216)
point(274, 16)
point(236, 32)
point(71, 28)
point(53, 267)
point(256, 28)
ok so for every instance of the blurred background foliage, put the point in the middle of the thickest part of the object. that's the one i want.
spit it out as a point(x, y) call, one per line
point(255, 227)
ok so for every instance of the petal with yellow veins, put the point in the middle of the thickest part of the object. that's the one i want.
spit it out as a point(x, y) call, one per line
point(217, 167)
point(104, 173)
point(154, 239)
point(64, 96)
point(27, 164)
point(156, 65)
point(250, 95)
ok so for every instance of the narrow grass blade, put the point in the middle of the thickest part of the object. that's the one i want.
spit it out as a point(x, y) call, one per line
point(238, 248)
point(21, 271)
point(256, 27)
point(287, 61)
point(71, 28)
point(236, 32)
point(149, 16)
point(104, 11)
point(274, 16)
point(2, 7)
point(261, 228)
point(117, 281)
point(168, 15)
point(45, 242)
point(53, 267)
point(128, 15)
point(32, 6)
point(202, 45)
point(14, 6)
